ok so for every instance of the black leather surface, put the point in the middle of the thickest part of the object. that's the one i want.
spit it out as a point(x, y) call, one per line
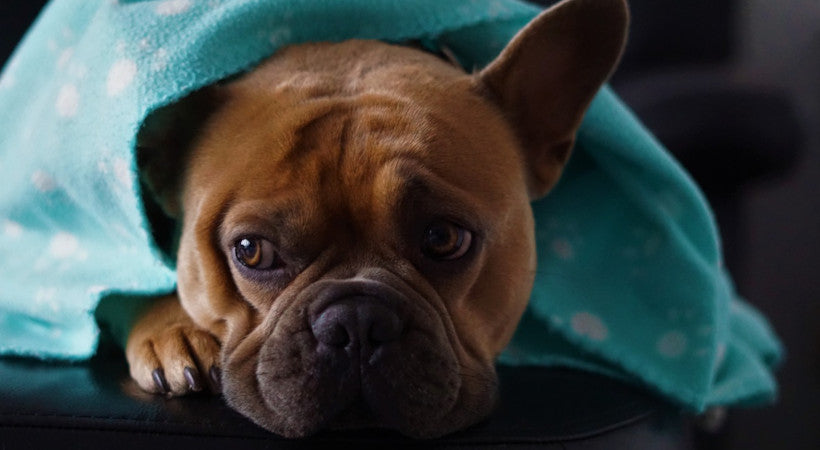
point(95, 404)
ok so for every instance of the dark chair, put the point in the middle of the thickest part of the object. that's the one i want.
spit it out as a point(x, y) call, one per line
point(95, 404)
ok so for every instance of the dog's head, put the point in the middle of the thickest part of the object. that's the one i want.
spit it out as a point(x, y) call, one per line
point(357, 229)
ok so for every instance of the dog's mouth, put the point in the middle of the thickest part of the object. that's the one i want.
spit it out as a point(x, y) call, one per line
point(401, 385)
point(358, 361)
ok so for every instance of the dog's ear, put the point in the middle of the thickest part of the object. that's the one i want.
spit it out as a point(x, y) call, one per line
point(546, 77)
point(164, 141)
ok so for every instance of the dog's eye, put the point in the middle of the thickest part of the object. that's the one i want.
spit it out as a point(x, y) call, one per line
point(445, 240)
point(256, 253)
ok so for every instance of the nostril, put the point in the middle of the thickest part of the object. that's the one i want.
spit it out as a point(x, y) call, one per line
point(385, 325)
point(331, 327)
point(337, 336)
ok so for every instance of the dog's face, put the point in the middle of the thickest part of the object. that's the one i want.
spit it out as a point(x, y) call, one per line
point(362, 233)
point(356, 222)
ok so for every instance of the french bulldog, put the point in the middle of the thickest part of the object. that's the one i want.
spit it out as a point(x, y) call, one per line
point(357, 242)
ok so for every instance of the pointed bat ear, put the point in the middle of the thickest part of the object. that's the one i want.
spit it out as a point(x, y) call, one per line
point(546, 77)
point(164, 141)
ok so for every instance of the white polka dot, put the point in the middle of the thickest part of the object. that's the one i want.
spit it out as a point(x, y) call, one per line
point(589, 325)
point(173, 7)
point(43, 181)
point(672, 344)
point(120, 76)
point(280, 36)
point(671, 204)
point(64, 58)
point(45, 295)
point(68, 101)
point(7, 81)
point(720, 354)
point(562, 248)
point(8, 78)
point(123, 232)
point(122, 171)
point(64, 245)
point(12, 229)
point(96, 289)
point(160, 61)
point(497, 8)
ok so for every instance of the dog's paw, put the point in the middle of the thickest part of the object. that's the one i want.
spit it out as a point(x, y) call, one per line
point(176, 360)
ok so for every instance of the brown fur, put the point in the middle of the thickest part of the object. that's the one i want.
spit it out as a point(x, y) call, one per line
point(342, 153)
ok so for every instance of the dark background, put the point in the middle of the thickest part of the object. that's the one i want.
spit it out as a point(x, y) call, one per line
point(771, 218)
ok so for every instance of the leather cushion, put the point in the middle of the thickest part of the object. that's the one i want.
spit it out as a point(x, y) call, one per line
point(96, 404)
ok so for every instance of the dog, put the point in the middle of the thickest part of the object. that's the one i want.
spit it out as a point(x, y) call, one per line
point(357, 243)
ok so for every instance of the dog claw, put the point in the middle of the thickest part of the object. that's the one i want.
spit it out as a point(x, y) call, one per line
point(192, 377)
point(216, 378)
point(159, 380)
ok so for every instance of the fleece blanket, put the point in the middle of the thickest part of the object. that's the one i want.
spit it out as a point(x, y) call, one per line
point(630, 282)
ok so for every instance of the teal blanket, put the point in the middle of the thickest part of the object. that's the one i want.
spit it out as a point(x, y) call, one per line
point(629, 283)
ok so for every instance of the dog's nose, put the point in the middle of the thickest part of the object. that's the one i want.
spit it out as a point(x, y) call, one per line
point(358, 321)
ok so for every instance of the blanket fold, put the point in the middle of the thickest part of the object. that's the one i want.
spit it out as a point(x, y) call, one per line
point(630, 281)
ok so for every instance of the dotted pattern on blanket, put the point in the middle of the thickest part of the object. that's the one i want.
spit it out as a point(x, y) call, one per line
point(629, 279)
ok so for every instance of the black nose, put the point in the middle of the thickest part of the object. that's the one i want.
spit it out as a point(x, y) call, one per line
point(358, 321)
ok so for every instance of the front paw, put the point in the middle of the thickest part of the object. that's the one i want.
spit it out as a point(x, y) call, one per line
point(175, 360)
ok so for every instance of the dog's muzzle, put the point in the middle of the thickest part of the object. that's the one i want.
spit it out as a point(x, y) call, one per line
point(365, 353)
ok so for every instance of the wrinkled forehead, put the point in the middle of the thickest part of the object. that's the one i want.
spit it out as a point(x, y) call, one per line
point(384, 130)
point(374, 144)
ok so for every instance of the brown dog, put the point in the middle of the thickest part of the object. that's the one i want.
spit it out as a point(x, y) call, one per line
point(357, 242)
